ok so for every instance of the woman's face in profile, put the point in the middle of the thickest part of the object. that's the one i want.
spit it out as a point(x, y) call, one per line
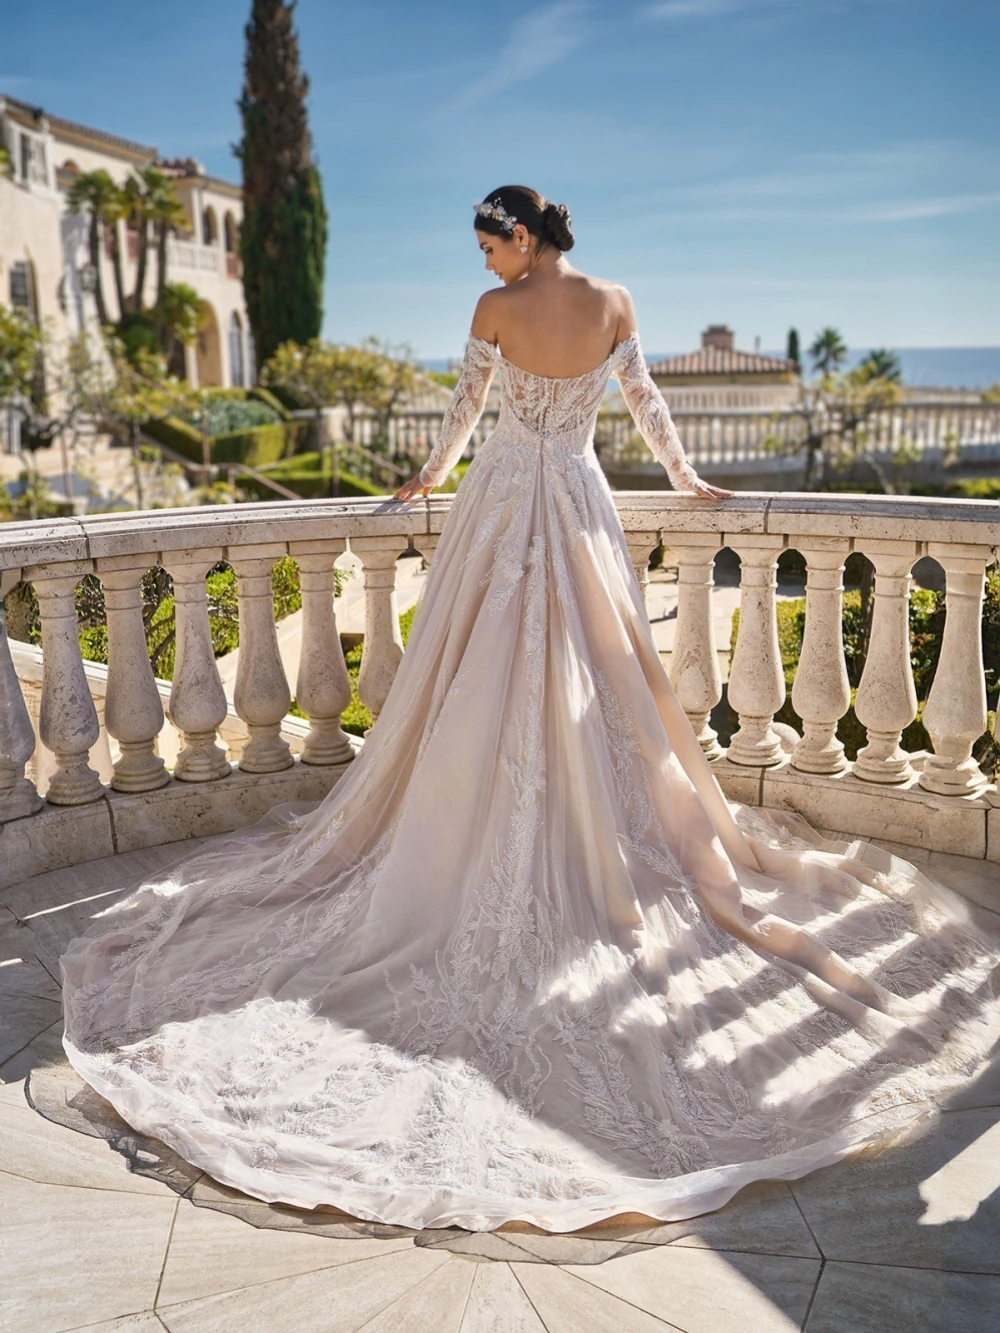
point(503, 256)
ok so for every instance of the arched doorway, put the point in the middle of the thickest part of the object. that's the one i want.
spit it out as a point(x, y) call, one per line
point(209, 227)
point(209, 349)
point(237, 375)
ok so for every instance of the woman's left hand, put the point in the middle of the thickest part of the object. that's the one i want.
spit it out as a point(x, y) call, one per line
point(412, 488)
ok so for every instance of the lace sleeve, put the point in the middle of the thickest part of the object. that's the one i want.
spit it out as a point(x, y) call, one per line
point(651, 414)
point(464, 410)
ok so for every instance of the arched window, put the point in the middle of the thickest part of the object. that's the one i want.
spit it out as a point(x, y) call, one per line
point(251, 360)
point(229, 230)
point(236, 360)
point(209, 227)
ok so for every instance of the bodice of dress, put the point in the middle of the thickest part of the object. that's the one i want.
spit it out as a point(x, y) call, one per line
point(544, 406)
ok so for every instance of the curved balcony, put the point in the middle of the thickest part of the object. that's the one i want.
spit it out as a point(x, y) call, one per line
point(936, 801)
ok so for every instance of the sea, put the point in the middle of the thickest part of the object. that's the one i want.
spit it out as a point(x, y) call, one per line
point(924, 367)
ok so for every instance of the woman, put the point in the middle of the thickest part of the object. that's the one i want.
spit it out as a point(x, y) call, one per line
point(525, 961)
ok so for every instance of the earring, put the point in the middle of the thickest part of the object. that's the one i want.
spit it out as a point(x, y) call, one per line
point(524, 249)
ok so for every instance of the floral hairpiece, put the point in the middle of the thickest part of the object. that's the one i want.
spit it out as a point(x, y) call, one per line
point(494, 209)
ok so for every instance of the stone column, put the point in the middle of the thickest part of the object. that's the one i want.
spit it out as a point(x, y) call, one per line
point(886, 700)
point(694, 663)
point(197, 706)
point(17, 736)
point(756, 680)
point(383, 650)
point(261, 697)
point(323, 687)
point(640, 547)
point(821, 691)
point(68, 722)
point(955, 711)
point(133, 713)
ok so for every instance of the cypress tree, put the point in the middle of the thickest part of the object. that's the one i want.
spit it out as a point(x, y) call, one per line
point(793, 345)
point(283, 238)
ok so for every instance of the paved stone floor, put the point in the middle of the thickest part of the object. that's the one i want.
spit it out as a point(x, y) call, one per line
point(104, 1230)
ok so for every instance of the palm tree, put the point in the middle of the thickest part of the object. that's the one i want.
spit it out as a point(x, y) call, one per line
point(167, 214)
point(152, 199)
point(881, 364)
point(96, 193)
point(828, 351)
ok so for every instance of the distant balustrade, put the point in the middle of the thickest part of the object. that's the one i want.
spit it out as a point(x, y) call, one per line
point(939, 800)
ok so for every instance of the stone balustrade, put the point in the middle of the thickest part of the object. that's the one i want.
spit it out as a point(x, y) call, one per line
point(939, 800)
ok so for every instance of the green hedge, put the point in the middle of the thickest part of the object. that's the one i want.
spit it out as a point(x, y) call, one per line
point(256, 446)
point(302, 474)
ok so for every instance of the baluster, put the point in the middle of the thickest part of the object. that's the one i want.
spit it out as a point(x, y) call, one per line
point(383, 648)
point(197, 705)
point(821, 690)
point(886, 700)
point(756, 681)
point(640, 547)
point(133, 713)
point(955, 711)
point(17, 736)
point(68, 722)
point(323, 687)
point(261, 696)
point(694, 663)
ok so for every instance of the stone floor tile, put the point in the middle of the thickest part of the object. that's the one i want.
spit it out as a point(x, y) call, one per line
point(22, 1019)
point(568, 1249)
point(147, 1322)
point(497, 1304)
point(700, 1291)
point(334, 1300)
point(488, 1246)
point(20, 971)
point(46, 1049)
point(74, 1257)
point(917, 856)
point(211, 1253)
point(565, 1304)
point(979, 881)
point(870, 1298)
point(438, 1303)
point(932, 1202)
point(763, 1218)
point(36, 1149)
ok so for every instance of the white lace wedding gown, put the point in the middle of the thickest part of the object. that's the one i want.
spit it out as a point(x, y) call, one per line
point(526, 960)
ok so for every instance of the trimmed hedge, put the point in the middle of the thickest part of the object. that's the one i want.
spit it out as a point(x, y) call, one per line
point(302, 475)
point(256, 446)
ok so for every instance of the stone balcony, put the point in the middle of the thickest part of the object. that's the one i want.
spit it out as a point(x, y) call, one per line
point(106, 1230)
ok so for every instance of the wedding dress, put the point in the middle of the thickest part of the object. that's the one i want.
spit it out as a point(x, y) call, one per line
point(525, 960)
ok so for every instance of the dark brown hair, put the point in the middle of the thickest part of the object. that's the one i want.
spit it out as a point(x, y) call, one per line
point(549, 222)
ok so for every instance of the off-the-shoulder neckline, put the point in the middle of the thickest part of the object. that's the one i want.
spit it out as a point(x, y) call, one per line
point(559, 379)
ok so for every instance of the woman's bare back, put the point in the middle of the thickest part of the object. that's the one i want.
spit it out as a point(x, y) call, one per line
point(555, 322)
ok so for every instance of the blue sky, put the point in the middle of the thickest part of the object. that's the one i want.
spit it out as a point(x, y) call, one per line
point(761, 163)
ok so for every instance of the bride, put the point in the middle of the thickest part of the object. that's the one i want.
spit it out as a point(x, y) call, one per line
point(525, 960)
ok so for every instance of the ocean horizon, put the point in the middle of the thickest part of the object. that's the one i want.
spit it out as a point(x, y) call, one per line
point(923, 367)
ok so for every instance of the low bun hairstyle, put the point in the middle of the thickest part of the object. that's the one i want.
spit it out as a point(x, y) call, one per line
point(549, 222)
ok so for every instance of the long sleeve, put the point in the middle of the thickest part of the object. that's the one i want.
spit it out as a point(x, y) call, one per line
point(464, 410)
point(651, 414)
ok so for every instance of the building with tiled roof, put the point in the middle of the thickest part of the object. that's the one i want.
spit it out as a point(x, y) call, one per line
point(718, 376)
point(45, 265)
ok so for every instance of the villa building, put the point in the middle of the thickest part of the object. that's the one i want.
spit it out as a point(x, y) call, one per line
point(719, 377)
point(44, 261)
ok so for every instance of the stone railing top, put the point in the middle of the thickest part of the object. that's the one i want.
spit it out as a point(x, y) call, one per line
point(863, 518)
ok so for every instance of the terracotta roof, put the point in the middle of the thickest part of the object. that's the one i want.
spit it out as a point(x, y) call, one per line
point(722, 361)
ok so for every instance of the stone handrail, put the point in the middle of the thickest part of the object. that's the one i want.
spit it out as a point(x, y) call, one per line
point(939, 800)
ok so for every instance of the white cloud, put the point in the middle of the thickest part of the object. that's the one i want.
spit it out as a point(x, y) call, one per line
point(538, 41)
point(702, 9)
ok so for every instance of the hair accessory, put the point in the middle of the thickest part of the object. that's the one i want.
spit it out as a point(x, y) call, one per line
point(493, 208)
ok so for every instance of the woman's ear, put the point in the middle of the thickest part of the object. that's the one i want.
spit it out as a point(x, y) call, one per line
point(520, 234)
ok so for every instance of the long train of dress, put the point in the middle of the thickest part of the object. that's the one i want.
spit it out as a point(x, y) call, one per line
point(526, 961)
